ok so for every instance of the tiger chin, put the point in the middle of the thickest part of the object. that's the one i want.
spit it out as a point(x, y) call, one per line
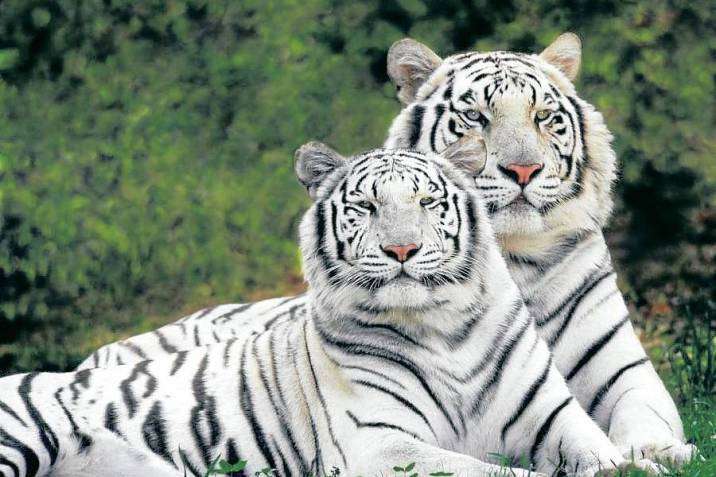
point(345, 385)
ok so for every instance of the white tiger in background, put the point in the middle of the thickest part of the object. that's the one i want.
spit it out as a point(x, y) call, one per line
point(415, 346)
point(546, 176)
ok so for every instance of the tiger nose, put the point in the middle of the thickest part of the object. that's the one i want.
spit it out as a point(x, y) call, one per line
point(401, 253)
point(521, 173)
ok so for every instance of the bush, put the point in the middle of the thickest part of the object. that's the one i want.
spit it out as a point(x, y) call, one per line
point(145, 149)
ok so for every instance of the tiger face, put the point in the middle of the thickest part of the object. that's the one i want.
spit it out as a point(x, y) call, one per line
point(546, 163)
point(388, 227)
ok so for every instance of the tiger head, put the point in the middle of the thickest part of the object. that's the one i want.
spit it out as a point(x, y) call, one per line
point(546, 162)
point(390, 229)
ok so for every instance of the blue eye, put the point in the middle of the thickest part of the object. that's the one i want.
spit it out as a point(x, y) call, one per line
point(477, 117)
point(365, 204)
point(425, 201)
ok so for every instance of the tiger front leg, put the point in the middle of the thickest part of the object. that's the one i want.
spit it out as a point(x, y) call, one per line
point(569, 440)
point(377, 454)
point(640, 429)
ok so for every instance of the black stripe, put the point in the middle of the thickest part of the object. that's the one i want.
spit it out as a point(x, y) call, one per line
point(165, 345)
point(320, 396)
point(32, 462)
point(544, 429)
point(9, 410)
point(133, 348)
point(247, 408)
point(47, 435)
point(84, 441)
point(317, 461)
point(398, 398)
point(229, 314)
point(12, 465)
point(599, 396)
point(596, 347)
point(125, 387)
point(204, 413)
point(110, 418)
point(155, 434)
point(504, 356)
point(188, 464)
point(382, 425)
point(416, 125)
point(554, 339)
point(439, 110)
point(278, 401)
point(233, 457)
point(402, 361)
point(80, 378)
point(179, 361)
point(527, 399)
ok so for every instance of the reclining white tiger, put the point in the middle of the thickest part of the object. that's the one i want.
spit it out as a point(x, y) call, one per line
point(416, 346)
point(547, 176)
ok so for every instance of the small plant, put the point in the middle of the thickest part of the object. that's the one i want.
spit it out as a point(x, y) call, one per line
point(691, 357)
point(265, 472)
point(222, 467)
point(406, 470)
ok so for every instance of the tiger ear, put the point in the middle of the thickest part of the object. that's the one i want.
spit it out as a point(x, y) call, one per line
point(565, 53)
point(313, 162)
point(410, 63)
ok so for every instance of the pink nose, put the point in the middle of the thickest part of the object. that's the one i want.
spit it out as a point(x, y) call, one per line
point(401, 253)
point(523, 174)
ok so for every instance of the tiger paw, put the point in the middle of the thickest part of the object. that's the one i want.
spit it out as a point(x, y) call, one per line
point(670, 451)
point(601, 470)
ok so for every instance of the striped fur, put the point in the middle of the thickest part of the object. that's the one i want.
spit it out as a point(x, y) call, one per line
point(485, 105)
point(389, 362)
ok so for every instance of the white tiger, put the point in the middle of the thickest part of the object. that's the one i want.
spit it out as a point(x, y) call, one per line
point(415, 347)
point(547, 173)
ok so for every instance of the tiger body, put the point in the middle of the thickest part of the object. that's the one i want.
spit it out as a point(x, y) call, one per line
point(491, 106)
point(428, 357)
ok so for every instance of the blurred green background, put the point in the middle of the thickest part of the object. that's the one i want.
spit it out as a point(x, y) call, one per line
point(145, 147)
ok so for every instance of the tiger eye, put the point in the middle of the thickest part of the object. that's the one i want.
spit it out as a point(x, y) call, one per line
point(472, 114)
point(543, 114)
point(425, 201)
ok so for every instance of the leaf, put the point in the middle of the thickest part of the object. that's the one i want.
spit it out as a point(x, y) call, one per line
point(409, 467)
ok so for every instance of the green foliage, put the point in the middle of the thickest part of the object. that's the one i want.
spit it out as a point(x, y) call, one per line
point(145, 147)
